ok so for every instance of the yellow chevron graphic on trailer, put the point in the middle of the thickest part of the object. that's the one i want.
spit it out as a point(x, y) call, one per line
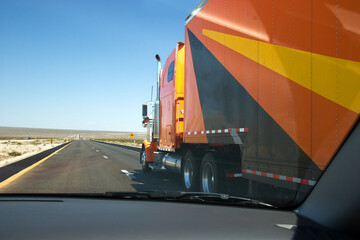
point(333, 78)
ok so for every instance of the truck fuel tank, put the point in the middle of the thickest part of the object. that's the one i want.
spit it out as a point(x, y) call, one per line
point(172, 162)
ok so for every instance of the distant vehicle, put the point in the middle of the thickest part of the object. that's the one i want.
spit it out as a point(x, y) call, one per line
point(29, 138)
point(255, 105)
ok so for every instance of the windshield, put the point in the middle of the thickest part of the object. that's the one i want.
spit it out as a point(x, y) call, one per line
point(252, 101)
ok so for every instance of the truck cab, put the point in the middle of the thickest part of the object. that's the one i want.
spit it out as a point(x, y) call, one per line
point(164, 118)
point(172, 100)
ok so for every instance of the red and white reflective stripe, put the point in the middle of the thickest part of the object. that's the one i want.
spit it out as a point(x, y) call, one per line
point(228, 130)
point(233, 175)
point(167, 149)
point(274, 176)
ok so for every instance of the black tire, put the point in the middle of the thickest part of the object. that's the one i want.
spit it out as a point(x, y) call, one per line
point(144, 165)
point(190, 172)
point(212, 179)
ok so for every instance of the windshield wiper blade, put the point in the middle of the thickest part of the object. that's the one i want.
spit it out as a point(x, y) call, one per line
point(217, 198)
point(127, 195)
point(223, 198)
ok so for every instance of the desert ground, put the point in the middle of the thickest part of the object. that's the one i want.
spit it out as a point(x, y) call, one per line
point(14, 150)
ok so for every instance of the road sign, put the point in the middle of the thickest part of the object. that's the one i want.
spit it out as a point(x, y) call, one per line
point(131, 135)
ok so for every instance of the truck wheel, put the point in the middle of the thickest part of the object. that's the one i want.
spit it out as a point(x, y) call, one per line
point(144, 164)
point(190, 172)
point(211, 178)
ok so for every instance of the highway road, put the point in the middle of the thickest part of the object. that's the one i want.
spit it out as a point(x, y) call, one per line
point(86, 166)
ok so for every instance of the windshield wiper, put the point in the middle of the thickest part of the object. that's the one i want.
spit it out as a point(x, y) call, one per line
point(128, 195)
point(194, 197)
point(222, 198)
point(199, 197)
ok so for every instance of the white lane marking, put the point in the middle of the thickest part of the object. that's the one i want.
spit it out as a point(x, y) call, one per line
point(92, 147)
point(97, 150)
point(105, 157)
point(128, 174)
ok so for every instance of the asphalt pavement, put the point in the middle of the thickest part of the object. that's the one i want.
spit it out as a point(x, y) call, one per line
point(86, 166)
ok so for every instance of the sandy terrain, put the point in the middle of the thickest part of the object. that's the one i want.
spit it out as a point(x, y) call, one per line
point(15, 150)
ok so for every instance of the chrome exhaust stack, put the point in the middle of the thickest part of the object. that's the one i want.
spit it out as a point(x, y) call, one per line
point(158, 75)
point(157, 104)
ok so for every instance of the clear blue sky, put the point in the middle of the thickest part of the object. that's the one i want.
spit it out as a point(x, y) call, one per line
point(83, 64)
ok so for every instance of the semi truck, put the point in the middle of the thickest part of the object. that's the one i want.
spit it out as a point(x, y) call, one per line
point(259, 97)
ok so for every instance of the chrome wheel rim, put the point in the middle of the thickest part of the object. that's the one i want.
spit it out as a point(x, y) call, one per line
point(208, 178)
point(188, 174)
point(143, 158)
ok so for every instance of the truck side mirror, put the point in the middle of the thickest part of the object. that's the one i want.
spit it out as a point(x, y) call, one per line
point(144, 110)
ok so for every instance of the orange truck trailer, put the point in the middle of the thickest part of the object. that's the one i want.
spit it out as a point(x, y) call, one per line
point(262, 95)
